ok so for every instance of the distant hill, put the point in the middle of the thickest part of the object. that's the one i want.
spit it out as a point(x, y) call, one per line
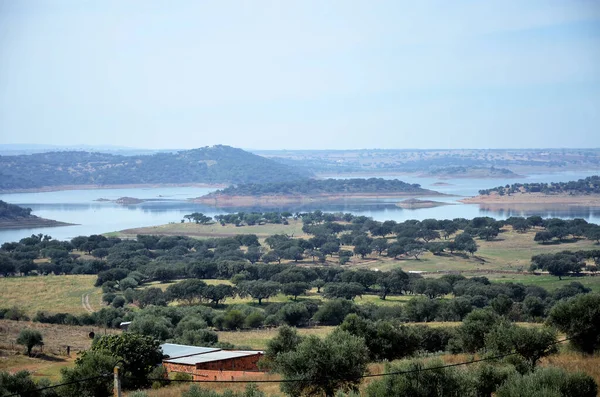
point(216, 164)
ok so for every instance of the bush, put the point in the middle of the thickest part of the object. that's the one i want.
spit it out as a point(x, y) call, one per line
point(549, 382)
point(30, 338)
point(334, 311)
point(579, 318)
point(254, 320)
point(21, 383)
point(159, 372)
point(180, 376)
point(436, 382)
point(119, 301)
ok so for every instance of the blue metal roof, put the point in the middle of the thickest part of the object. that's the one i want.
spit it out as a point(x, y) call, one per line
point(174, 351)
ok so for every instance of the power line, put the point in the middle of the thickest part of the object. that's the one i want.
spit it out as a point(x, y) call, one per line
point(59, 385)
point(497, 357)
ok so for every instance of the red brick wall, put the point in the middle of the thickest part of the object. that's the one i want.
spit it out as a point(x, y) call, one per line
point(206, 374)
point(188, 369)
point(248, 363)
point(231, 369)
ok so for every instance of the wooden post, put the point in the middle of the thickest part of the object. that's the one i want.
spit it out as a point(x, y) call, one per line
point(117, 387)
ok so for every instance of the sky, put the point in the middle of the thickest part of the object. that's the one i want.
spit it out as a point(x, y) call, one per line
point(301, 74)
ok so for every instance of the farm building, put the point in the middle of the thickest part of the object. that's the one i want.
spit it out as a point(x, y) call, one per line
point(207, 363)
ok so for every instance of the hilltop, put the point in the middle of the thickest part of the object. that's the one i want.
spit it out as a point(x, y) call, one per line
point(210, 165)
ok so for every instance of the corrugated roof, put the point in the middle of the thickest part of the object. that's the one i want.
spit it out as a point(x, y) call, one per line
point(173, 350)
point(213, 356)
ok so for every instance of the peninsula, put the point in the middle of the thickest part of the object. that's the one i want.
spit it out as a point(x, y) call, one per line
point(16, 217)
point(583, 192)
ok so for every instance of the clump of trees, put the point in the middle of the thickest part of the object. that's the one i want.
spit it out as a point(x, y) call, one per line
point(11, 211)
point(321, 186)
point(589, 185)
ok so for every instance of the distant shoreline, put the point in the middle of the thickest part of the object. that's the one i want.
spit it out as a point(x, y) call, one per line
point(123, 186)
point(418, 174)
point(269, 200)
point(591, 200)
point(413, 204)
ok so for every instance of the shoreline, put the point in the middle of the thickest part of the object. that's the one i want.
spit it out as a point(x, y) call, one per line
point(247, 201)
point(413, 204)
point(535, 198)
point(59, 188)
point(31, 223)
point(417, 174)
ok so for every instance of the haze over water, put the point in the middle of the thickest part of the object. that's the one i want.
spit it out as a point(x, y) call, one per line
point(169, 204)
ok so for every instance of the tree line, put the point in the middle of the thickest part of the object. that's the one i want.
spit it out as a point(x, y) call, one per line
point(589, 185)
point(321, 186)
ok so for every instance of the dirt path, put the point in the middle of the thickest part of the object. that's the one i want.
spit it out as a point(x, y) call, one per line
point(85, 302)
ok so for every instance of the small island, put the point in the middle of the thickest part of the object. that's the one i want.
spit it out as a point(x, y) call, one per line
point(16, 217)
point(442, 184)
point(313, 191)
point(583, 192)
point(128, 200)
point(413, 204)
point(121, 200)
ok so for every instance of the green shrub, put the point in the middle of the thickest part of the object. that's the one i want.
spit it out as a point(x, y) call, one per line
point(549, 382)
point(436, 382)
point(180, 376)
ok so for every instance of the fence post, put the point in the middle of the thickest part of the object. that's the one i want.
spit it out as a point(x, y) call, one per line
point(117, 386)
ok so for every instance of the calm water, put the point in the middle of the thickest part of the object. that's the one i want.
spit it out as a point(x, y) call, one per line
point(169, 205)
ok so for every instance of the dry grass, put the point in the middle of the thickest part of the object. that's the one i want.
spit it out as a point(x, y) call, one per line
point(175, 390)
point(48, 360)
point(257, 339)
point(215, 230)
point(572, 362)
point(50, 293)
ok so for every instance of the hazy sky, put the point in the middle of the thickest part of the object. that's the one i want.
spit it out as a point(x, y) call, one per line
point(301, 74)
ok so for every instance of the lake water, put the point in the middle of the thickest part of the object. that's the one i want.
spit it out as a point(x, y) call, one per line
point(170, 204)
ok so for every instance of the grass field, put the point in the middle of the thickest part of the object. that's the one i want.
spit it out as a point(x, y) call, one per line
point(48, 361)
point(50, 293)
point(214, 230)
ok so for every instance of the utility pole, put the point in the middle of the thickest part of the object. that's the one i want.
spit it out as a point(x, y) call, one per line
point(117, 386)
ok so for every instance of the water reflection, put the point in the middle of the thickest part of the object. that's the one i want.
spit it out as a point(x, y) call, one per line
point(166, 205)
point(545, 210)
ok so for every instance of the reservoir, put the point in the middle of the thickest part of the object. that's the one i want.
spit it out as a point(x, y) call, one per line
point(170, 204)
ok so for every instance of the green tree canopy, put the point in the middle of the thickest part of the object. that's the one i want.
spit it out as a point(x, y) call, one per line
point(323, 365)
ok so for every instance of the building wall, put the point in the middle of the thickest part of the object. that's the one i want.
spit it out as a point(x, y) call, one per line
point(207, 374)
point(188, 369)
point(248, 363)
point(231, 369)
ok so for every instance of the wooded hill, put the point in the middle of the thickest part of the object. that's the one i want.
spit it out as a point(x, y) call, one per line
point(325, 186)
point(216, 164)
point(589, 185)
